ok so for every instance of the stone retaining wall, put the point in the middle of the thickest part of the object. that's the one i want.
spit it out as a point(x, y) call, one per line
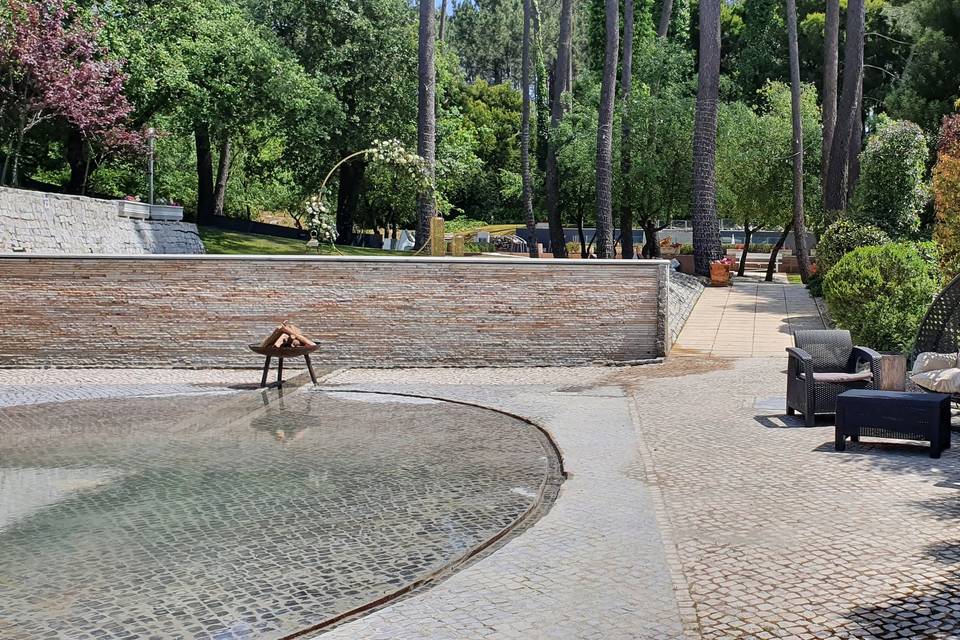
point(202, 311)
point(685, 290)
point(48, 223)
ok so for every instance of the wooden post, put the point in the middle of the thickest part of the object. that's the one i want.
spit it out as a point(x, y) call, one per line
point(893, 373)
point(458, 243)
point(438, 244)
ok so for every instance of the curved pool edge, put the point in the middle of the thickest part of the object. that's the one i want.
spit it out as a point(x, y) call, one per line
point(547, 495)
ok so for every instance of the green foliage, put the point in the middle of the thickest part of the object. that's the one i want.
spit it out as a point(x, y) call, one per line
point(842, 237)
point(754, 157)
point(946, 191)
point(881, 293)
point(892, 191)
point(928, 88)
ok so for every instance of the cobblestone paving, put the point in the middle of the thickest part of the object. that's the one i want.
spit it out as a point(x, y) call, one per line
point(593, 567)
point(38, 386)
point(770, 532)
point(780, 536)
point(251, 515)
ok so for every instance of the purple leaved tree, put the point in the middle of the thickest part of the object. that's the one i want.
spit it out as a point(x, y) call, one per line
point(52, 68)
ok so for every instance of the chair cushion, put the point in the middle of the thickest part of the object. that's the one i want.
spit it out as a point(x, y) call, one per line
point(841, 378)
point(943, 381)
point(934, 362)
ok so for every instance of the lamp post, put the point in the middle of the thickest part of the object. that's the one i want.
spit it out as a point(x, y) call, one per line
point(151, 142)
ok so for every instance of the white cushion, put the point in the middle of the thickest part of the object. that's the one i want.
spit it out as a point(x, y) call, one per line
point(943, 381)
point(840, 377)
point(934, 362)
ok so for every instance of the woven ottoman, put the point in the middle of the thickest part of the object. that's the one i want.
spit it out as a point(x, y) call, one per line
point(893, 414)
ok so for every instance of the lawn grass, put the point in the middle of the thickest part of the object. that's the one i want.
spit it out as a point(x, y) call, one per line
point(219, 241)
point(794, 278)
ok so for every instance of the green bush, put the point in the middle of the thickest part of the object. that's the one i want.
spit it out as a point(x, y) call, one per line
point(881, 293)
point(815, 285)
point(842, 237)
point(892, 191)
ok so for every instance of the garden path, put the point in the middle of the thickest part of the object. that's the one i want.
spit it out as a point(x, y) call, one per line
point(750, 319)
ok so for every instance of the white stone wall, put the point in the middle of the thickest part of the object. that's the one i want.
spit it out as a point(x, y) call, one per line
point(48, 223)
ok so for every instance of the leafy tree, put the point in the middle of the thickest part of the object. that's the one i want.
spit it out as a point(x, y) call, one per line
point(660, 113)
point(487, 35)
point(892, 191)
point(576, 142)
point(946, 191)
point(365, 54)
point(928, 89)
point(54, 67)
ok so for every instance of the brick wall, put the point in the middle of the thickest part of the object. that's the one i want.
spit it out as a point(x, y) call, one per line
point(49, 223)
point(201, 311)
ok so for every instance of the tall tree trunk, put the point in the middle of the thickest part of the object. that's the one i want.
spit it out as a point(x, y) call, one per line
point(564, 46)
point(747, 236)
point(605, 247)
point(426, 118)
point(651, 242)
point(76, 158)
point(348, 197)
point(856, 145)
point(626, 148)
point(443, 21)
point(835, 187)
point(582, 237)
point(831, 62)
point(201, 134)
point(223, 175)
point(525, 88)
point(799, 221)
point(772, 263)
point(666, 14)
point(706, 226)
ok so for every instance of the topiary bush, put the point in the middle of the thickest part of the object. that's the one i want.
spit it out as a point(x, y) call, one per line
point(842, 237)
point(892, 191)
point(881, 293)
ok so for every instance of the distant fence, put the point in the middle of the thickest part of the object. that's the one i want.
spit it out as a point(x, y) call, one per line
point(202, 311)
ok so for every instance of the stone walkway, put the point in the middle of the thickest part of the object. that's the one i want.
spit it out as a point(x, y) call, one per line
point(693, 508)
point(749, 319)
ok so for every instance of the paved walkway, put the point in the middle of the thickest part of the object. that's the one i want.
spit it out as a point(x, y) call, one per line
point(693, 509)
point(749, 319)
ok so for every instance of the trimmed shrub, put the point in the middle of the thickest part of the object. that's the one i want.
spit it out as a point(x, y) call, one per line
point(892, 191)
point(842, 237)
point(946, 193)
point(881, 293)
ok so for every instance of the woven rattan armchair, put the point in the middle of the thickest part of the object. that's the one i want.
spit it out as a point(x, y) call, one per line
point(940, 328)
point(822, 365)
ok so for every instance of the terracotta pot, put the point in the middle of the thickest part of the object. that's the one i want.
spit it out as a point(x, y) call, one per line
point(719, 274)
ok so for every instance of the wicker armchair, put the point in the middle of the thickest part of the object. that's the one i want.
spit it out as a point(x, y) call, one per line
point(822, 365)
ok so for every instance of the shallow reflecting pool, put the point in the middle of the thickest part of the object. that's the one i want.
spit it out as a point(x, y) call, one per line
point(245, 514)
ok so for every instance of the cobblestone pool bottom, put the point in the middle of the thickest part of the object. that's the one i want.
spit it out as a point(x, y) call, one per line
point(244, 514)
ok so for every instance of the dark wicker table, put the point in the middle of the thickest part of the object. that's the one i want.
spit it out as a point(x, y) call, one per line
point(892, 414)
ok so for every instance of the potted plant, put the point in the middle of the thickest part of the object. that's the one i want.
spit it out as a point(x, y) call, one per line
point(720, 272)
point(166, 211)
point(131, 207)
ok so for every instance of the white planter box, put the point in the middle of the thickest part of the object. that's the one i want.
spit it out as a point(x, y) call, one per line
point(166, 212)
point(131, 209)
